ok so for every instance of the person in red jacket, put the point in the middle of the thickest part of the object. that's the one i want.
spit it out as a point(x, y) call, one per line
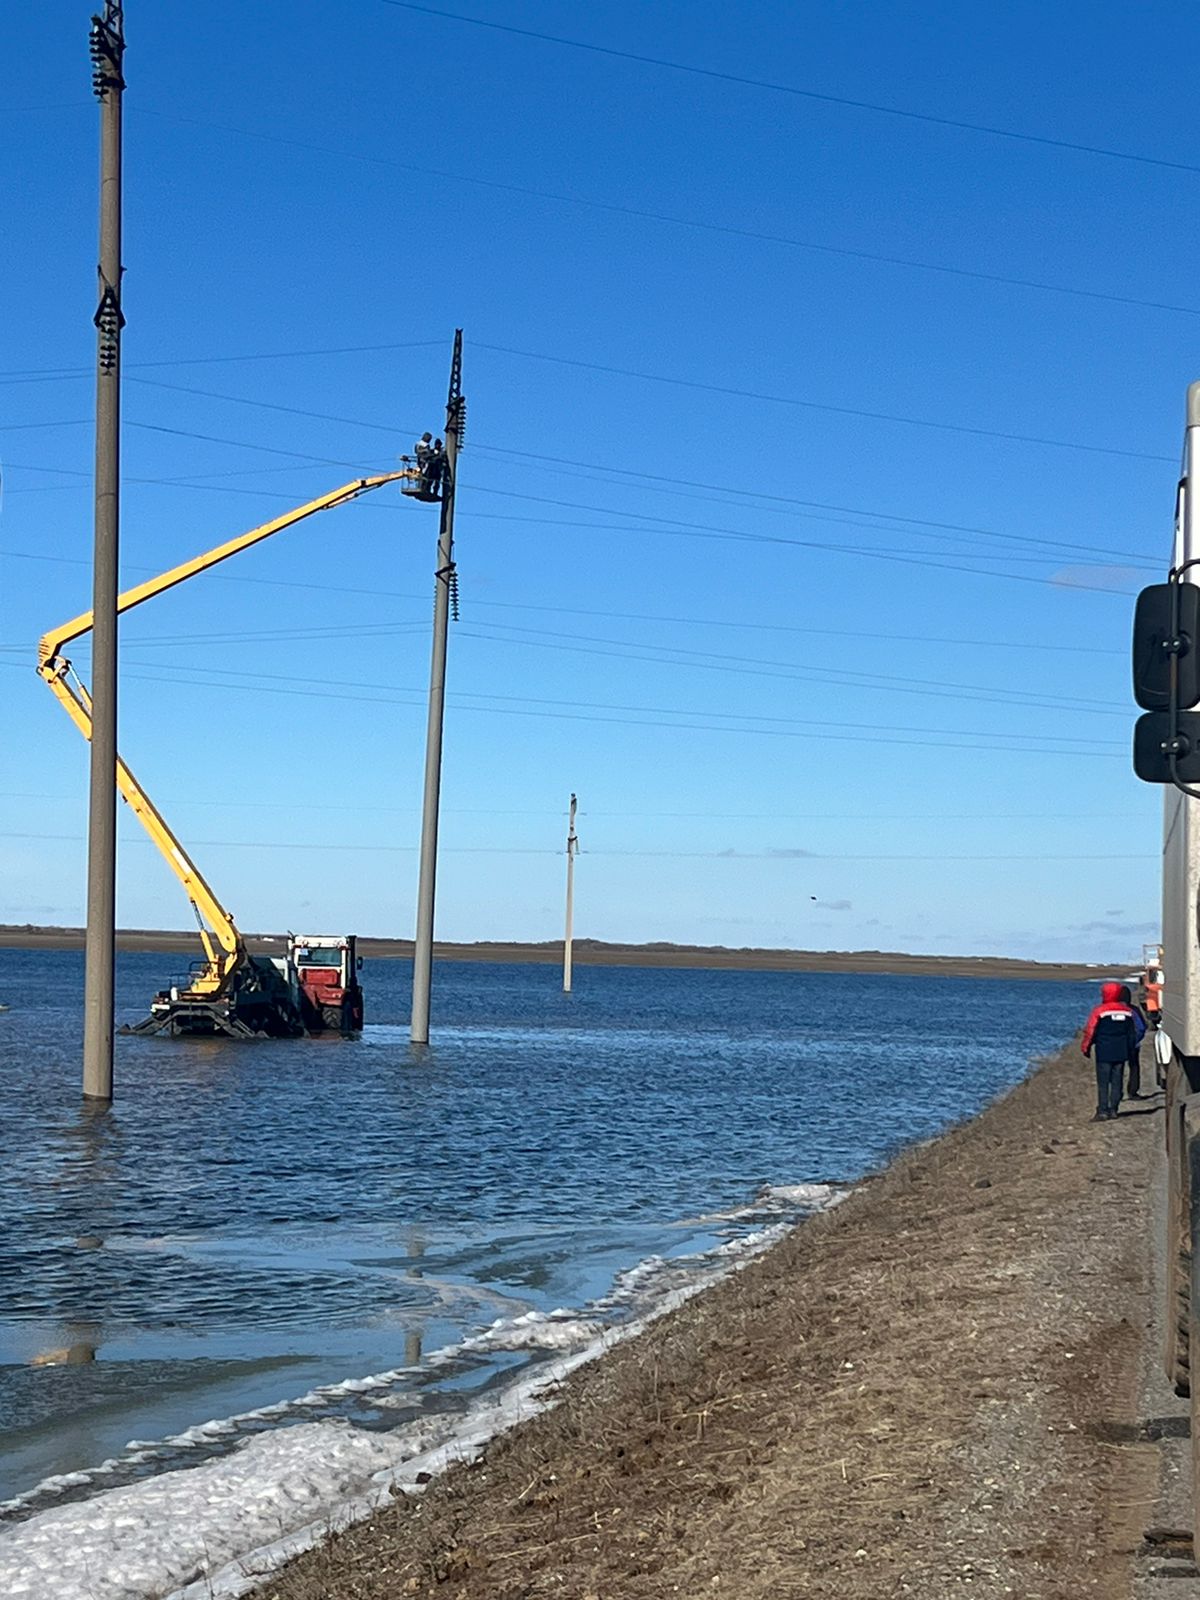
point(1112, 1034)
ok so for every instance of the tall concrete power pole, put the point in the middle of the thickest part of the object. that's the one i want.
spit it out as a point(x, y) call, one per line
point(445, 599)
point(107, 44)
point(568, 940)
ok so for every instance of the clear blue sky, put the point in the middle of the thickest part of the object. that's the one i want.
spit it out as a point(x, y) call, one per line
point(760, 691)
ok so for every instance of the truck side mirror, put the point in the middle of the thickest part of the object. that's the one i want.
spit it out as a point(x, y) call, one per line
point(1162, 635)
point(1153, 739)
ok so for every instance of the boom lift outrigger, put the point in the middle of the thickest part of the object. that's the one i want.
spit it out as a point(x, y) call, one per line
point(231, 991)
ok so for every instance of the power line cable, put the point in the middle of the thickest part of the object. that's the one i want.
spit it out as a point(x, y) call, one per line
point(668, 219)
point(926, 523)
point(681, 529)
point(24, 427)
point(672, 526)
point(644, 816)
point(783, 503)
point(264, 679)
point(317, 847)
point(1106, 151)
point(708, 388)
point(711, 661)
point(356, 630)
point(704, 657)
point(823, 406)
point(783, 670)
point(19, 374)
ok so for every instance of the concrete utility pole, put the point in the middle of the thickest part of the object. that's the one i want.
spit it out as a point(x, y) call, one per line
point(107, 45)
point(445, 600)
point(572, 851)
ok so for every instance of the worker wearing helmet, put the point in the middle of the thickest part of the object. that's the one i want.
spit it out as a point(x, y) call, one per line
point(435, 466)
point(1112, 1032)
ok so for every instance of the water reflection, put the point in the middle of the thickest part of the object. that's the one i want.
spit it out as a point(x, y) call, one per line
point(83, 1341)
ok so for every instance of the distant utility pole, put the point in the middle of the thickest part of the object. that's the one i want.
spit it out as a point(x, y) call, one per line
point(445, 600)
point(107, 45)
point(572, 852)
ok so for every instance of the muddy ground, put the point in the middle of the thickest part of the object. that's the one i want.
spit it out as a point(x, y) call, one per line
point(933, 1390)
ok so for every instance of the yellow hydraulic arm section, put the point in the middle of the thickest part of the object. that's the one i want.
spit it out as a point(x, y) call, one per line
point(223, 947)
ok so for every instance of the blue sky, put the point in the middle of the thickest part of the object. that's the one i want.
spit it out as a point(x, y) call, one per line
point(709, 581)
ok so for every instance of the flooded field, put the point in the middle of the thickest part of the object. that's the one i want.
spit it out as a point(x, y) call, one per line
point(261, 1235)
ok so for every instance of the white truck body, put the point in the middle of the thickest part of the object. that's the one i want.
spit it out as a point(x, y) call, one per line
point(1181, 817)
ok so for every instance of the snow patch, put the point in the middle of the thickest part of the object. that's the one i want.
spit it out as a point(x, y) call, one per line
point(536, 1330)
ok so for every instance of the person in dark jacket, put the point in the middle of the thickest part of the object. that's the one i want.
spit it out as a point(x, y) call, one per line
point(1111, 1035)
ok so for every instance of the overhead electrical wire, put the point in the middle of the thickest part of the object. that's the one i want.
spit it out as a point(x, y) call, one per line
point(820, 405)
point(869, 683)
point(698, 385)
point(669, 527)
point(801, 858)
point(645, 816)
point(266, 683)
point(374, 629)
point(697, 224)
point(20, 374)
point(783, 502)
point(1108, 152)
point(712, 661)
point(698, 530)
point(721, 389)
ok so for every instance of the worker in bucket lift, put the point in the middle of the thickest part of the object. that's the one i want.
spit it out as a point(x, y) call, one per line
point(421, 450)
point(434, 467)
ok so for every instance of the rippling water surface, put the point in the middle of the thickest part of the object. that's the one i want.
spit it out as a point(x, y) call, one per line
point(254, 1228)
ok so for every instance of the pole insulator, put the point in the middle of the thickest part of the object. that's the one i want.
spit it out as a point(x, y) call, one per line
point(109, 319)
point(106, 46)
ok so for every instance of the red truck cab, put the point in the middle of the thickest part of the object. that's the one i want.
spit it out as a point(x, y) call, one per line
point(326, 970)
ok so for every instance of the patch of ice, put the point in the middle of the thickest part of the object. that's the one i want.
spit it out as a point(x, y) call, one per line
point(149, 1537)
point(536, 1330)
point(773, 1198)
point(214, 1531)
point(817, 1195)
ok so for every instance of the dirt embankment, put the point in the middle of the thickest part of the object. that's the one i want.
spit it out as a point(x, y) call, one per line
point(598, 953)
point(922, 1393)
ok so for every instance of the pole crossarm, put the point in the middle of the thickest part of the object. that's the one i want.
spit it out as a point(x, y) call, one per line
point(73, 696)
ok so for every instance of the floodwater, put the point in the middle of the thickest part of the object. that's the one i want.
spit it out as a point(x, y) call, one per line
point(264, 1233)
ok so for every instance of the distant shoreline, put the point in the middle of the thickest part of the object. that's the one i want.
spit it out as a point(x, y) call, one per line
point(595, 952)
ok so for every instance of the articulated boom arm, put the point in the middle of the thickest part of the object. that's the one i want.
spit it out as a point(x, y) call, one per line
point(73, 696)
point(211, 914)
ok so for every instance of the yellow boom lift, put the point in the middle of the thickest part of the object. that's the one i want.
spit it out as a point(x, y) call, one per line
point(315, 986)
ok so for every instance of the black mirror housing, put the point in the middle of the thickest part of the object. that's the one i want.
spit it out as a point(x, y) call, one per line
point(1157, 641)
point(1152, 763)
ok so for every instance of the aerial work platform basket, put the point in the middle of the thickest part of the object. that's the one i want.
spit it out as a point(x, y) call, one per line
point(420, 482)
